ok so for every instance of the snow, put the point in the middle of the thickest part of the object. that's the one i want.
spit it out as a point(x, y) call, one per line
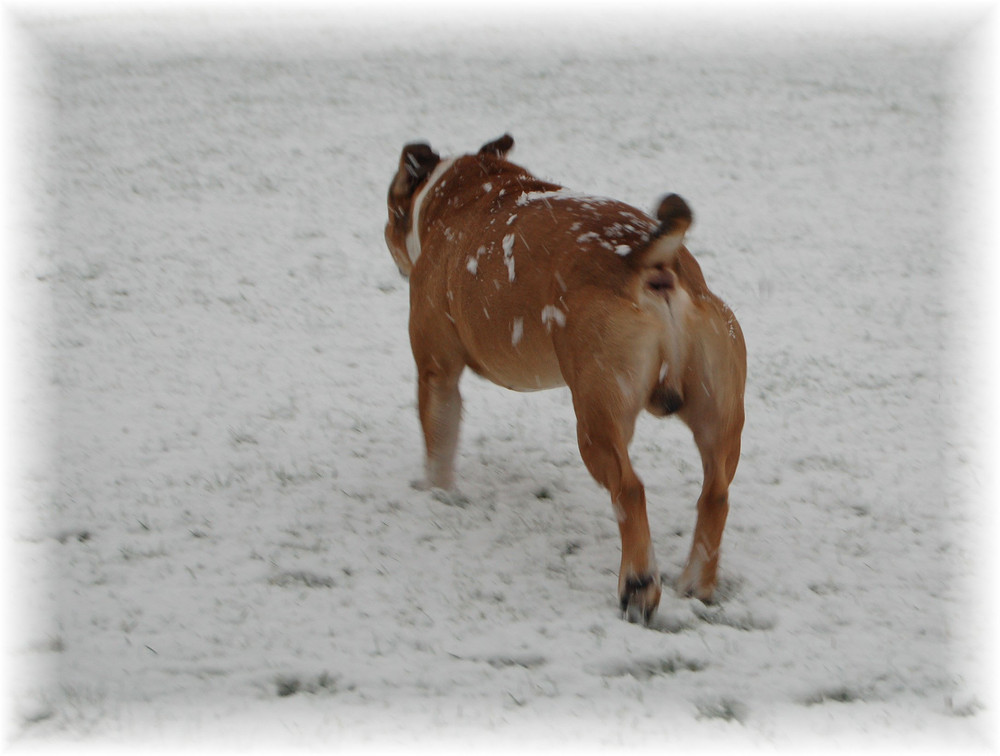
point(218, 542)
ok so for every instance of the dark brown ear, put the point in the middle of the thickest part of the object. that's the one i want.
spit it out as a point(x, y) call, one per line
point(415, 164)
point(499, 147)
point(418, 160)
point(673, 214)
point(675, 219)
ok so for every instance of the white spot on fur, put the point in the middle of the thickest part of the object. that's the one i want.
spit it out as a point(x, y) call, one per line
point(622, 250)
point(511, 219)
point(487, 187)
point(619, 511)
point(624, 385)
point(517, 331)
point(696, 563)
point(508, 255)
point(593, 236)
point(472, 265)
point(527, 197)
point(552, 314)
point(562, 193)
point(413, 235)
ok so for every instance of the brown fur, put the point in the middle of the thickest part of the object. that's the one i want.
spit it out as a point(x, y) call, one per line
point(534, 287)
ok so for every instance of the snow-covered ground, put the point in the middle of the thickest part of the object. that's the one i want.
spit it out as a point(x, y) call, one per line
point(221, 544)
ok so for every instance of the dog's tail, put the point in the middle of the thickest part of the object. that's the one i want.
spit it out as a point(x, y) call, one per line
point(661, 249)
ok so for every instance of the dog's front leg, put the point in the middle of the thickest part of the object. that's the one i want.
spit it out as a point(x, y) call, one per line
point(440, 407)
point(604, 448)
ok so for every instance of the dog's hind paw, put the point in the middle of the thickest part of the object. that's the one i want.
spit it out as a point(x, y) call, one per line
point(690, 585)
point(448, 496)
point(421, 484)
point(452, 498)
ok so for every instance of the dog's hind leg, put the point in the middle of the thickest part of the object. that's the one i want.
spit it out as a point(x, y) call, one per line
point(440, 408)
point(604, 448)
point(718, 442)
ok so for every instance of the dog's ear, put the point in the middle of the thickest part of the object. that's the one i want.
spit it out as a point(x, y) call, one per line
point(675, 219)
point(415, 164)
point(674, 215)
point(499, 147)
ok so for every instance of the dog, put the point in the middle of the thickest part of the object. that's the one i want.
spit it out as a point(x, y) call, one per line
point(534, 286)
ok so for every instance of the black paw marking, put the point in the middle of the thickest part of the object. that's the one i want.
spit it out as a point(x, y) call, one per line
point(632, 612)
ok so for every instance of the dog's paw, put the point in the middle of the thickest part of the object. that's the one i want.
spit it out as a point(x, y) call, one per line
point(691, 585)
point(421, 484)
point(639, 597)
point(448, 496)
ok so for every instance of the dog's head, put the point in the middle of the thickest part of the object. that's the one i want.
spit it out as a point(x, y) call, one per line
point(416, 163)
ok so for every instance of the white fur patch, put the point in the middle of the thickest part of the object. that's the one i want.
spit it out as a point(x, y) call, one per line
point(508, 255)
point(619, 511)
point(552, 314)
point(413, 235)
point(517, 331)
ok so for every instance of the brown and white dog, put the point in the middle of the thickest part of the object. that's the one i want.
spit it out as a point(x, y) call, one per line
point(534, 286)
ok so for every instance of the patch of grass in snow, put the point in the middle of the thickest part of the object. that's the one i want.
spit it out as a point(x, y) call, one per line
point(289, 685)
point(839, 694)
point(526, 661)
point(81, 536)
point(239, 437)
point(302, 577)
point(745, 620)
point(130, 554)
point(961, 706)
point(296, 477)
point(726, 709)
point(644, 669)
